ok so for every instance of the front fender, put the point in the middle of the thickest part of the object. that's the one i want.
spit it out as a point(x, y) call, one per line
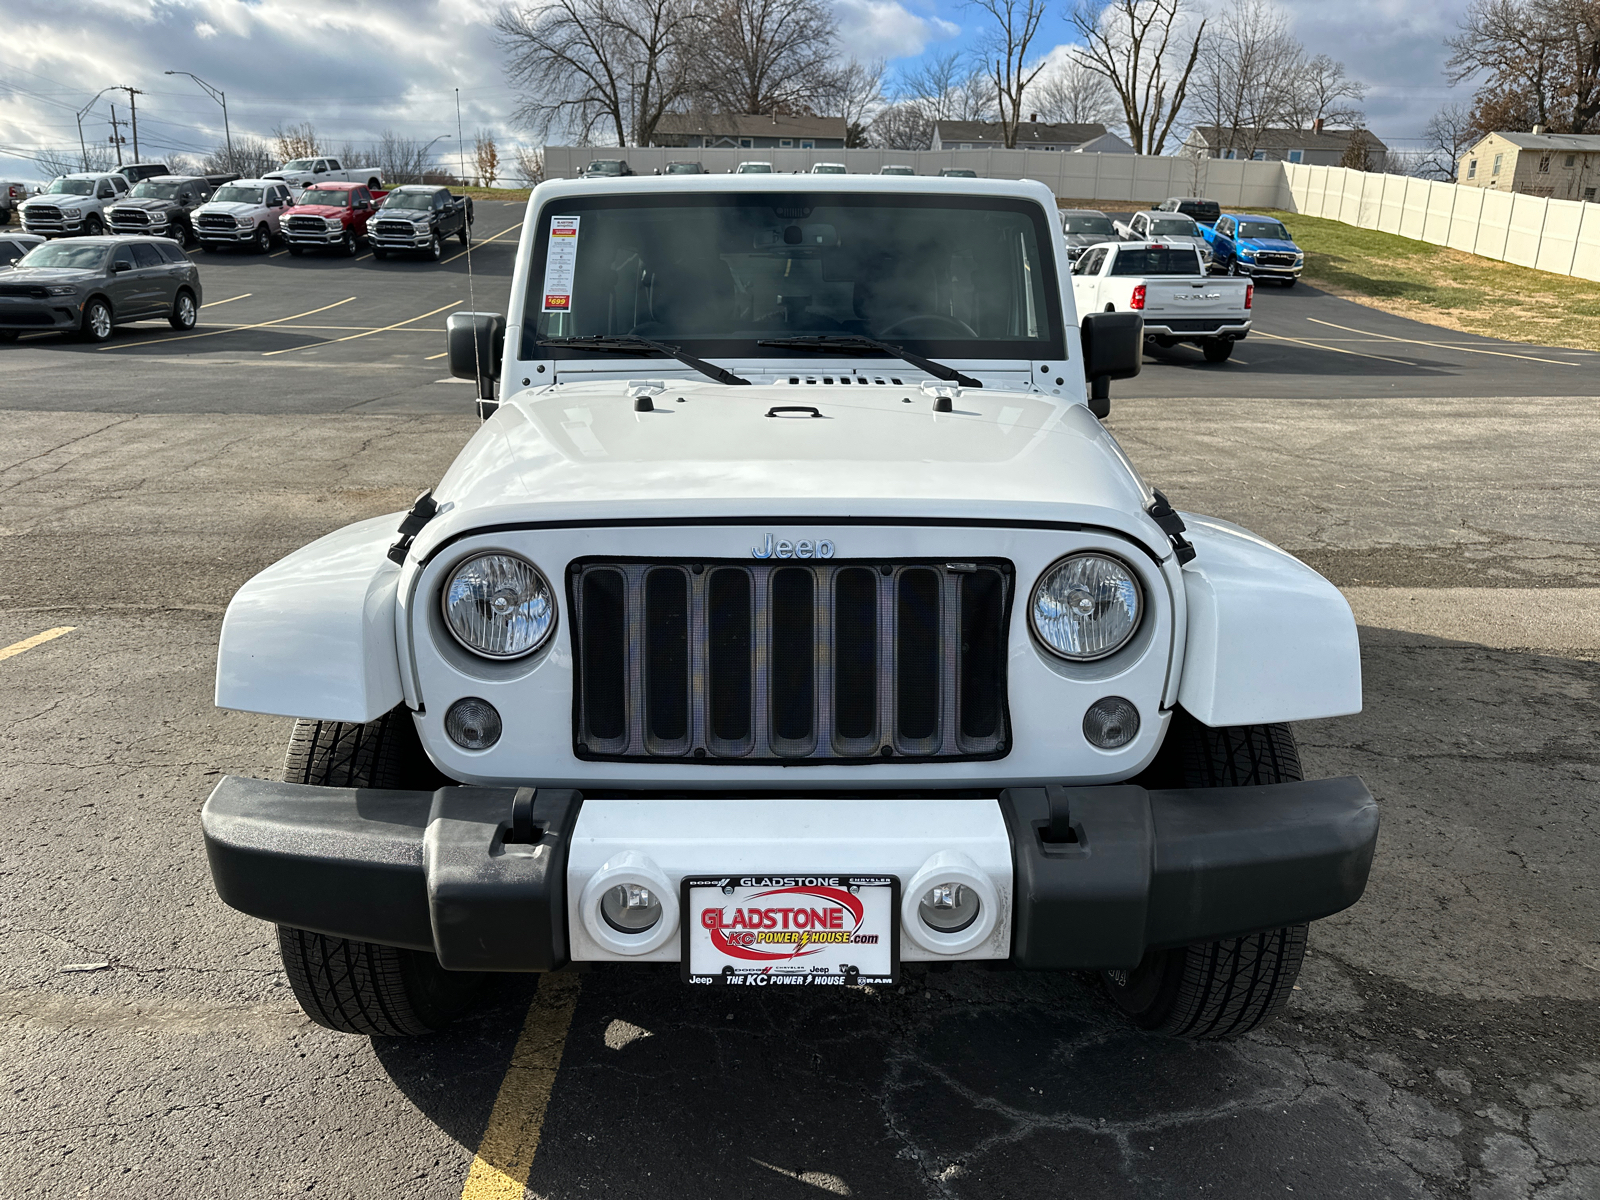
point(1268, 639)
point(314, 634)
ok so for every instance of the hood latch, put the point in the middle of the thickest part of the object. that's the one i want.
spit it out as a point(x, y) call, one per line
point(1164, 515)
point(423, 510)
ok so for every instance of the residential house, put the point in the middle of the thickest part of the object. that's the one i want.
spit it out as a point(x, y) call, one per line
point(1032, 134)
point(1565, 166)
point(1317, 147)
point(741, 132)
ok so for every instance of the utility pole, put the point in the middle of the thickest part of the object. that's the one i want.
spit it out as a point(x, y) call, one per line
point(116, 138)
point(133, 117)
point(83, 147)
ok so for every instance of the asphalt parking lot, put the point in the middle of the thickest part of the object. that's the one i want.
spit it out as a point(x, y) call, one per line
point(1443, 1043)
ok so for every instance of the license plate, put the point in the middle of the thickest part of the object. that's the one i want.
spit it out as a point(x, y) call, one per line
point(795, 930)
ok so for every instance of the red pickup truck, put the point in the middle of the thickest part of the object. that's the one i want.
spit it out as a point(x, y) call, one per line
point(329, 216)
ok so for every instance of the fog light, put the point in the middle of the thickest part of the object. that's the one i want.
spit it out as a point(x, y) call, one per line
point(949, 907)
point(1111, 723)
point(630, 908)
point(472, 724)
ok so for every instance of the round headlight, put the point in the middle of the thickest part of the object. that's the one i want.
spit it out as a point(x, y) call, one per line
point(1086, 607)
point(499, 606)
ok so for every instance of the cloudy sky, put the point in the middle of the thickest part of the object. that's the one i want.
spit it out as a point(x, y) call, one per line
point(357, 67)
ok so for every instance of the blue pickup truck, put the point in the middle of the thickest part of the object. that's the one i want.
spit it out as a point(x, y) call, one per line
point(1257, 246)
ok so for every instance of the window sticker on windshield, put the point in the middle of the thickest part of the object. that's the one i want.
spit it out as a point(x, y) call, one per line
point(561, 264)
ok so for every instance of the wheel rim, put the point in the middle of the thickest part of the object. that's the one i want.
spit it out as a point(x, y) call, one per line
point(434, 248)
point(186, 310)
point(100, 322)
point(263, 239)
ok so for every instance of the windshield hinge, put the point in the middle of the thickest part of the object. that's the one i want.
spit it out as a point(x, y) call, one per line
point(1164, 515)
point(422, 511)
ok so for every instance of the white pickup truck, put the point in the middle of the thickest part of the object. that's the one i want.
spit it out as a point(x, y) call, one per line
point(244, 212)
point(303, 172)
point(73, 204)
point(1169, 285)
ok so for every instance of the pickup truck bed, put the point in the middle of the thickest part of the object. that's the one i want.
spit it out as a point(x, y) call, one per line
point(1167, 283)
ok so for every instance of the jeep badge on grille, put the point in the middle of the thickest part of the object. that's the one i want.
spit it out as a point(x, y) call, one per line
point(786, 549)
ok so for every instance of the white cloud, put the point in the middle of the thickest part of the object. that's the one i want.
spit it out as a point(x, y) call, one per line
point(205, 29)
point(870, 29)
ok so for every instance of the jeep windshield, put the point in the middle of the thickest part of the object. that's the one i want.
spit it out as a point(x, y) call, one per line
point(156, 191)
point(71, 187)
point(945, 276)
point(237, 195)
point(412, 200)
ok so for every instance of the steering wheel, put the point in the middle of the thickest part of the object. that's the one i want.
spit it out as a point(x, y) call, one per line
point(929, 325)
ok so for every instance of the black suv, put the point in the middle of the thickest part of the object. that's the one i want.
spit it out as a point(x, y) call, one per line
point(164, 205)
point(1205, 212)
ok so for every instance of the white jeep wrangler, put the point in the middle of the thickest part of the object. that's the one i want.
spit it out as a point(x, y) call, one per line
point(791, 618)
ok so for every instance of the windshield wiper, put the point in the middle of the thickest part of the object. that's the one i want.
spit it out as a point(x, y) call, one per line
point(627, 341)
point(855, 341)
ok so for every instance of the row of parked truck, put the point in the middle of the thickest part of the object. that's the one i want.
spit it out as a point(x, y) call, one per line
point(327, 210)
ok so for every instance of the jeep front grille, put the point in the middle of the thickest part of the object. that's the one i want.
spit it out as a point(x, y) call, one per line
point(837, 661)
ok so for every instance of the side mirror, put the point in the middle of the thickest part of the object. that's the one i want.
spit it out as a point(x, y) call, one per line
point(117, 268)
point(1113, 348)
point(475, 342)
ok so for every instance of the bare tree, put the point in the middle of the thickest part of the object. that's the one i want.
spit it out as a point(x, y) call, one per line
point(65, 160)
point(591, 65)
point(1005, 44)
point(1451, 132)
point(400, 159)
point(764, 56)
point(1324, 91)
point(1144, 50)
point(950, 87)
point(487, 156)
point(854, 91)
point(251, 158)
point(295, 141)
point(902, 126)
point(1245, 80)
point(1075, 95)
point(529, 162)
point(1359, 153)
point(1541, 57)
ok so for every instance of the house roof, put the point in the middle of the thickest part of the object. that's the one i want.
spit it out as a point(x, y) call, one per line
point(735, 125)
point(1551, 141)
point(1291, 139)
point(1029, 133)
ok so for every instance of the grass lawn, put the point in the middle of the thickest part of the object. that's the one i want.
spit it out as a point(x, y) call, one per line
point(1446, 287)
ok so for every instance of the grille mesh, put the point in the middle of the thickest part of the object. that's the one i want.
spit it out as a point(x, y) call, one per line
point(788, 661)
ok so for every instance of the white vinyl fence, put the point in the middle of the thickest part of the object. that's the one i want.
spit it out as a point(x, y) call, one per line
point(1112, 178)
point(1562, 236)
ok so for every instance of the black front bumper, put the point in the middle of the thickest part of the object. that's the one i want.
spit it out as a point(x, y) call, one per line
point(1100, 873)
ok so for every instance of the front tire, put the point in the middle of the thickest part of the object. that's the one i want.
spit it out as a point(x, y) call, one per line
point(361, 987)
point(93, 226)
point(1224, 989)
point(1290, 282)
point(96, 326)
point(1217, 350)
point(261, 243)
point(379, 253)
point(296, 251)
point(465, 235)
point(435, 250)
point(347, 244)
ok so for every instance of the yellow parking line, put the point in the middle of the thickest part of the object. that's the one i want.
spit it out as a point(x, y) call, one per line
point(511, 1138)
point(431, 357)
point(229, 300)
point(279, 254)
point(38, 639)
point(1445, 345)
point(1256, 333)
point(501, 234)
point(368, 333)
point(235, 328)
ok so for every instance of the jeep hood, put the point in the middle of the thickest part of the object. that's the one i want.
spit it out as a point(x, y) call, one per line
point(580, 452)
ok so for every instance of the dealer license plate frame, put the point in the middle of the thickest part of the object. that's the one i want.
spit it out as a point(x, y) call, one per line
point(749, 883)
